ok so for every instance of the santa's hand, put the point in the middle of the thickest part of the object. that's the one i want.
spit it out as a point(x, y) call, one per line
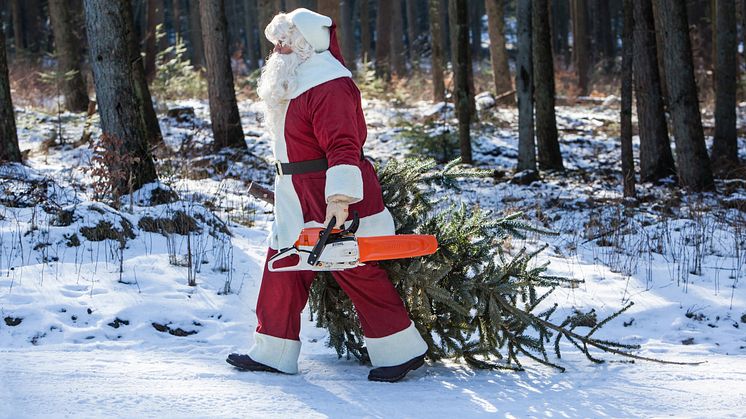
point(337, 207)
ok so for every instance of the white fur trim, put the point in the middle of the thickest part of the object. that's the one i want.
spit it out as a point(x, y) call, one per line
point(344, 179)
point(278, 353)
point(320, 68)
point(397, 348)
point(313, 26)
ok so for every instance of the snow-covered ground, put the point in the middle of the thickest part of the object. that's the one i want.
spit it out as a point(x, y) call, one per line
point(89, 327)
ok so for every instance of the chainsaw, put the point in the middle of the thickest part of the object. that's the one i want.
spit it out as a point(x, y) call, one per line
point(330, 249)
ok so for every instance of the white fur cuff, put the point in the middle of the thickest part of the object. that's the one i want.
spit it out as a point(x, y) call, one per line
point(278, 353)
point(397, 348)
point(344, 179)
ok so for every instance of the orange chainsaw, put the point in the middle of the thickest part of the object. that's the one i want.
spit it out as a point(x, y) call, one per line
point(330, 249)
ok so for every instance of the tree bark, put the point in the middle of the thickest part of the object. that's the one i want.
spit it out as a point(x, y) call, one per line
point(436, 37)
point(628, 165)
point(604, 51)
point(561, 28)
point(581, 45)
point(155, 17)
point(475, 29)
point(725, 143)
point(176, 12)
point(656, 159)
point(452, 12)
point(19, 40)
point(250, 27)
point(366, 50)
point(550, 157)
point(347, 26)
point(693, 163)
point(498, 52)
point(109, 28)
point(9, 150)
point(462, 61)
point(267, 9)
point(524, 87)
point(412, 32)
point(383, 39)
point(195, 35)
point(226, 122)
point(398, 62)
point(68, 57)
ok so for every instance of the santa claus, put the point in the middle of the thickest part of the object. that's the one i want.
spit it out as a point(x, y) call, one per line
point(314, 114)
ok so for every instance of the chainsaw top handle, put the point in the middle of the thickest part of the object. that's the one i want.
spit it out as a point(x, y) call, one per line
point(327, 232)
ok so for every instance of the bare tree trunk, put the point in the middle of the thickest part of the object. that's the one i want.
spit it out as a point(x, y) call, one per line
point(9, 150)
point(383, 39)
point(366, 51)
point(498, 53)
point(561, 28)
point(226, 122)
point(602, 29)
point(109, 28)
point(140, 83)
point(725, 144)
point(452, 12)
point(461, 62)
point(347, 26)
point(581, 47)
point(176, 6)
point(195, 35)
point(550, 157)
point(19, 39)
point(628, 165)
point(475, 29)
point(412, 52)
point(524, 86)
point(436, 37)
point(398, 63)
point(250, 23)
point(155, 18)
point(693, 163)
point(68, 57)
point(660, 47)
point(656, 159)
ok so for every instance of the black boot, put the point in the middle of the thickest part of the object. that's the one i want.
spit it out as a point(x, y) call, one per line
point(245, 363)
point(397, 372)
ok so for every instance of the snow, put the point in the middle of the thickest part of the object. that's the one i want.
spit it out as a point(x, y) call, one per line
point(112, 330)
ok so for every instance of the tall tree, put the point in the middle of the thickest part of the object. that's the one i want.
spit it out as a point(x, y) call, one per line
point(412, 32)
point(383, 39)
point(550, 157)
point(9, 150)
point(195, 35)
point(347, 27)
point(498, 52)
point(453, 22)
point(226, 122)
point(561, 28)
point(250, 26)
point(656, 159)
point(267, 9)
point(725, 144)
point(140, 83)
point(155, 17)
point(525, 87)
point(109, 27)
point(398, 60)
point(436, 38)
point(628, 166)
point(19, 39)
point(693, 163)
point(581, 45)
point(461, 91)
point(604, 50)
point(366, 50)
point(67, 52)
point(475, 28)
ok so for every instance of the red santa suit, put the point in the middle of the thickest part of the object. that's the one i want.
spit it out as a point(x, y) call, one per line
point(324, 119)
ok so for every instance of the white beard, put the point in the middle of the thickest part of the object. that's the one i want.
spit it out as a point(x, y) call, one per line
point(276, 85)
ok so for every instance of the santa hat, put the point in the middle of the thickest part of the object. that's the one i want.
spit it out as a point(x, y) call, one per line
point(318, 30)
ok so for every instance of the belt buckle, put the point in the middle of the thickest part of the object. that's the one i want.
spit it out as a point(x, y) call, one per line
point(278, 167)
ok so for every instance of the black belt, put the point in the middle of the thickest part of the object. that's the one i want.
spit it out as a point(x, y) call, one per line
point(302, 167)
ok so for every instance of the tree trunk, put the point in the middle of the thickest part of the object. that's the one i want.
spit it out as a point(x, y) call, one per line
point(660, 48)
point(693, 163)
point(398, 62)
point(68, 57)
point(383, 39)
point(9, 150)
point(602, 29)
point(475, 29)
point(155, 18)
point(725, 144)
point(524, 87)
point(550, 157)
point(498, 53)
point(250, 23)
point(267, 9)
point(581, 47)
point(628, 165)
point(413, 51)
point(561, 28)
point(656, 159)
point(176, 6)
point(226, 122)
point(19, 40)
point(366, 51)
point(452, 12)
point(436, 37)
point(109, 28)
point(195, 35)
point(461, 62)
point(32, 14)
point(347, 26)
point(140, 83)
